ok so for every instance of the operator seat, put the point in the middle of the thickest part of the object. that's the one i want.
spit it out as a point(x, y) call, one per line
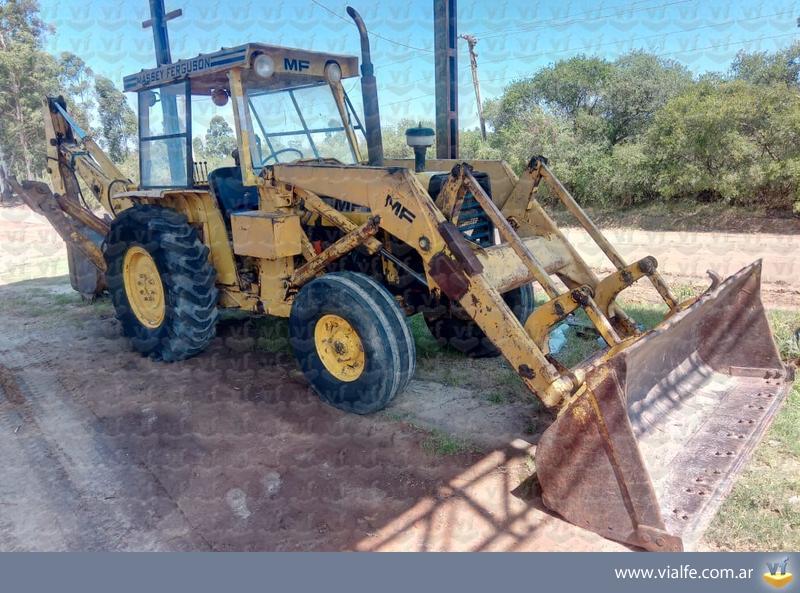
point(232, 195)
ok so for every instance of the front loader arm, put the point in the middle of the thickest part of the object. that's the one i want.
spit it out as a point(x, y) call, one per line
point(407, 212)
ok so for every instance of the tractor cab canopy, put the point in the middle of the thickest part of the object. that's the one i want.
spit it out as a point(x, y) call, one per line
point(288, 104)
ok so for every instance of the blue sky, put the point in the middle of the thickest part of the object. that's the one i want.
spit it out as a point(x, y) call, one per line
point(516, 37)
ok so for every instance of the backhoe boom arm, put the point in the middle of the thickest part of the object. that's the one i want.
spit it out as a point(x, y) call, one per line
point(73, 154)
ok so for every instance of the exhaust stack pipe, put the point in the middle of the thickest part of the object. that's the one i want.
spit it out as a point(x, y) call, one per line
point(369, 94)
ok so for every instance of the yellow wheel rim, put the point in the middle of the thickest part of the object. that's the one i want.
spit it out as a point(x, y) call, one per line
point(143, 287)
point(339, 348)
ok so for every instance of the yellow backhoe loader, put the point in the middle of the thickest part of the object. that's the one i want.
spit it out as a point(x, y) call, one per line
point(311, 223)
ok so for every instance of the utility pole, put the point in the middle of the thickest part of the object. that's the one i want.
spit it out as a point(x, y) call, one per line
point(445, 32)
point(473, 64)
point(158, 21)
point(178, 159)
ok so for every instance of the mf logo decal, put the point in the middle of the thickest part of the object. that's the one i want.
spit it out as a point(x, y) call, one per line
point(778, 575)
point(399, 210)
point(296, 65)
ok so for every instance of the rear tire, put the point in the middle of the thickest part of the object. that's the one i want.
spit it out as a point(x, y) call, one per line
point(465, 336)
point(351, 341)
point(183, 319)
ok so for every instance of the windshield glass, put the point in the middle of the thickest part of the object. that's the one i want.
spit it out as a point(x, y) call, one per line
point(299, 123)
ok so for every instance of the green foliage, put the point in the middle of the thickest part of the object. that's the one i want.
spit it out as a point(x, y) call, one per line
point(571, 86)
point(735, 141)
point(761, 67)
point(220, 139)
point(641, 129)
point(76, 80)
point(117, 120)
point(394, 139)
point(28, 74)
point(472, 146)
point(639, 85)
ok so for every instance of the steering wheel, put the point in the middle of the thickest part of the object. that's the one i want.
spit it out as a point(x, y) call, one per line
point(274, 155)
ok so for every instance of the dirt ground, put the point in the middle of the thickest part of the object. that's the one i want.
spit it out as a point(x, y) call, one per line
point(106, 450)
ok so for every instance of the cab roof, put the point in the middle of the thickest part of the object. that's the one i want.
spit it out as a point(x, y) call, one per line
point(206, 72)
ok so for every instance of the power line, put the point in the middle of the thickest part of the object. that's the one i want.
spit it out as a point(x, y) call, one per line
point(655, 35)
point(616, 42)
point(556, 20)
point(378, 35)
point(411, 99)
point(683, 51)
point(660, 55)
point(559, 22)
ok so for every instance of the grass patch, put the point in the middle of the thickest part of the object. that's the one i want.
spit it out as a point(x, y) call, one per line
point(490, 376)
point(425, 342)
point(497, 397)
point(763, 511)
point(435, 362)
point(36, 310)
point(440, 443)
point(646, 315)
point(103, 305)
point(272, 335)
point(62, 299)
point(683, 292)
point(785, 327)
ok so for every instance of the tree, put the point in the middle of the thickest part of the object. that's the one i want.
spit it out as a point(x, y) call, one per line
point(639, 85)
point(588, 115)
point(572, 85)
point(28, 74)
point(471, 145)
point(76, 80)
point(117, 119)
point(735, 141)
point(762, 67)
point(518, 99)
point(198, 149)
point(220, 139)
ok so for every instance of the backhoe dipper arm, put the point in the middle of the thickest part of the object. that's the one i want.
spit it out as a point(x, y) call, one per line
point(72, 153)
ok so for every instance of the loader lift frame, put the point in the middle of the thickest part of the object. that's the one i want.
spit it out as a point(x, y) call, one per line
point(264, 261)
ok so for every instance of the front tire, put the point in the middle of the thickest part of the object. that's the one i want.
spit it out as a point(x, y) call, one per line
point(351, 341)
point(161, 283)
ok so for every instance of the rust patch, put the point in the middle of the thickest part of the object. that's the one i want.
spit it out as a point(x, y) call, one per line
point(526, 372)
point(449, 275)
point(459, 245)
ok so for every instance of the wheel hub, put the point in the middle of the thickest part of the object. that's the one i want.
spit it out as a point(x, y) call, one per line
point(143, 287)
point(339, 348)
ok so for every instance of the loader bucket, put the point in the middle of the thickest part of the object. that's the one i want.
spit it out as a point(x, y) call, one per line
point(648, 449)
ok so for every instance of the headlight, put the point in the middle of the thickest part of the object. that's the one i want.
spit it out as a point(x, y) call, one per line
point(264, 66)
point(219, 97)
point(333, 72)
